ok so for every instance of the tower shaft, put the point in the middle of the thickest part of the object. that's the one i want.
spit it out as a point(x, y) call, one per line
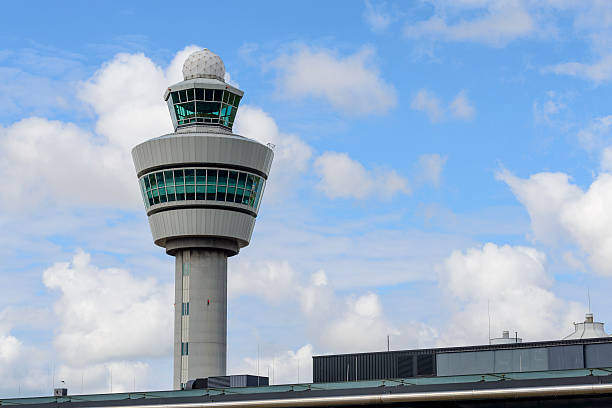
point(200, 316)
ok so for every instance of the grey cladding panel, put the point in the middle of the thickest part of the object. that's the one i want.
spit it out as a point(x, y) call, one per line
point(565, 357)
point(203, 148)
point(598, 355)
point(472, 362)
point(520, 360)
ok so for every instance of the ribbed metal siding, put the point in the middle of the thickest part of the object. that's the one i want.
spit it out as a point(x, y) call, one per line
point(369, 366)
point(533, 356)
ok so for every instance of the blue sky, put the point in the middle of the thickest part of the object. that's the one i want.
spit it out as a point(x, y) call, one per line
point(432, 158)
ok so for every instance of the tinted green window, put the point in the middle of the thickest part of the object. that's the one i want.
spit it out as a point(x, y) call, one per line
point(199, 94)
point(190, 192)
point(237, 100)
point(212, 176)
point(152, 180)
point(241, 179)
point(226, 96)
point(160, 179)
point(209, 94)
point(239, 195)
point(155, 196)
point(170, 192)
point(200, 176)
point(169, 178)
point(221, 193)
point(180, 193)
point(218, 95)
point(191, 184)
point(178, 177)
point(190, 96)
point(175, 97)
point(222, 180)
point(183, 94)
point(189, 176)
point(211, 192)
point(233, 178)
point(231, 191)
point(200, 192)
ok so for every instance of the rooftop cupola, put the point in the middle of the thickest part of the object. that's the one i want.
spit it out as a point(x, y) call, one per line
point(203, 97)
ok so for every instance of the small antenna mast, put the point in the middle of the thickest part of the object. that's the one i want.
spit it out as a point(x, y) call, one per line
point(589, 298)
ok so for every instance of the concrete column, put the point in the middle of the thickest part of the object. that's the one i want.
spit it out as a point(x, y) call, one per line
point(200, 337)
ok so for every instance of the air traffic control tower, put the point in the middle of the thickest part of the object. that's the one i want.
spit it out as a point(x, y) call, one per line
point(202, 186)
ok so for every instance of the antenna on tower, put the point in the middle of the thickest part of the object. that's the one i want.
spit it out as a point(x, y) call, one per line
point(589, 298)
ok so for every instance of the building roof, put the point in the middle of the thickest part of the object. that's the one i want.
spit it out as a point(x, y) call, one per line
point(581, 381)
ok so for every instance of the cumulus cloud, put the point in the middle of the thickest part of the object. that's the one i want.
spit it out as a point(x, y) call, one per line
point(546, 111)
point(351, 84)
point(125, 95)
point(376, 16)
point(40, 154)
point(558, 208)
point(428, 102)
point(291, 154)
point(429, 168)
point(288, 367)
point(461, 108)
point(516, 284)
point(343, 177)
point(108, 314)
point(598, 71)
point(597, 133)
point(498, 24)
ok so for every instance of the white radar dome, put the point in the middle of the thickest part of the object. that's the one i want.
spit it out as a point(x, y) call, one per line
point(204, 64)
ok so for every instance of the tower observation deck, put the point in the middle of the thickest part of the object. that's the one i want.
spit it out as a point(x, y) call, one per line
point(202, 187)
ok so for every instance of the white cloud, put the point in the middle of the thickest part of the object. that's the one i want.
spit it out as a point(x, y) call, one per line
point(350, 84)
point(606, 160)
point(600, 71)
point(291, 154)
point(461, 108)
point(41, 154)
point(108, 314)
point(428, 102)
point(545, 112)
point(60, 163)
point(544, 195)
point(597, 133)
point(425, 101)
point(560, 209)
point(514, 280)
point(376, 17)
point(429, 168)
point(342, 177)
point(289, 367)
point(497, 25)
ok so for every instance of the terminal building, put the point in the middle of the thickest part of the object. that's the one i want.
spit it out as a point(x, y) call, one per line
point(202, 187)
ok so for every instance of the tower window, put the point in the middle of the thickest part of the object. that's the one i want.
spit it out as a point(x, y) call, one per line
point(201, 184)
point(184, 349)
point(185, 309)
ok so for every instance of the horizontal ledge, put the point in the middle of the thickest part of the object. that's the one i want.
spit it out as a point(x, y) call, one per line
point(204, 206)
point(203, 165)
point(495, 394)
